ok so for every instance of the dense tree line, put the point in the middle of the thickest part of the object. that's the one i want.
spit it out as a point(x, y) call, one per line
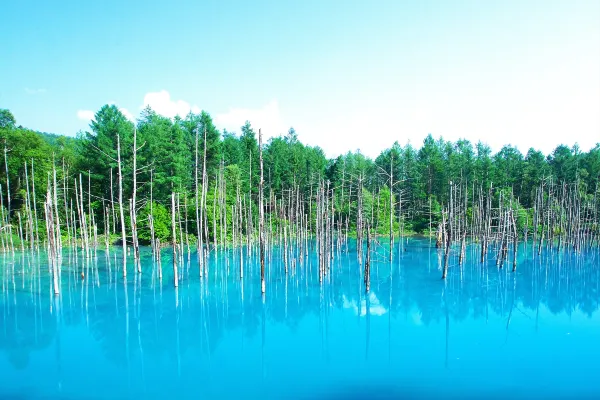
point(170, 152)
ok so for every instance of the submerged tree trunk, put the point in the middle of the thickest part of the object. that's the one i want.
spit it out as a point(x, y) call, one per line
point(448, 236)
point(52, 249)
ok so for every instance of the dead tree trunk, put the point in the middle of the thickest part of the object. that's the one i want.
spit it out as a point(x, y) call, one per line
point(8, 223)
point(30, 224)
point(53, 255)
point(197, 200)
point(174, 240)
point(136, 247)
point(83, 221)
point(240, 224)
point(203, 216)
point(57, 220)
point(7, 179)
point(155, 249)
point(112, 202)
point(123, 233)
point(368, 261)
point(515, 241)
point(359, 220)
point(448, 236)
point(392, 209)
point(66, 205)
point(37, 234)
point(261, 212)
point(285, 249)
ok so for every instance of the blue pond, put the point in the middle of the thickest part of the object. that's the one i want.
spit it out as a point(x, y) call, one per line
point(485, 332)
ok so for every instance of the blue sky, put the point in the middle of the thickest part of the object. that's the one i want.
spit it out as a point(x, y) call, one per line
point(345, 74)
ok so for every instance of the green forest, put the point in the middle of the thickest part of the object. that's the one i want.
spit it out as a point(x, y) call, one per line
point(219, 171)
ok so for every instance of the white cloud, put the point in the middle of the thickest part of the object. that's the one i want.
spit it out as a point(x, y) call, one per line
point(85, 115)
point(375, 306)
point(542, 113)
point(267, 118)
point(127, 114)
point(88, 115)
point(539, 115)
point(162, 103)
point(35, 91)
point(124, 111)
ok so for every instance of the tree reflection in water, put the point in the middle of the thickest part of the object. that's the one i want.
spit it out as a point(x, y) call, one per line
point(156, 336)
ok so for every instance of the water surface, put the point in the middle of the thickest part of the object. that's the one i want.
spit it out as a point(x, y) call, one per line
point(484, 332)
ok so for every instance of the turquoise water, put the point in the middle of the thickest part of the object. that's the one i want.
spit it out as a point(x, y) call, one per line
point(483, 333)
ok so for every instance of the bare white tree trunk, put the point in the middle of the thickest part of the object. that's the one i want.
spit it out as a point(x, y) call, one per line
point(174, 240)
point(155, 249)
point(368, 261)
point(83, 220)
point(66, 205)
point(392, 208)
point(123, 233)
point(7, 178)
point(261, 214)
point(37, 234)
point(136, 247)
point(12, 246)
point(30, 230)
point(112, 202)
point(203, 216)
point(197, 199)
point(57, 221)
point(52, 240)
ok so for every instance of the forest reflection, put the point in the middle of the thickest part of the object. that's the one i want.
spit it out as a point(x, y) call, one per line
point(149, 319)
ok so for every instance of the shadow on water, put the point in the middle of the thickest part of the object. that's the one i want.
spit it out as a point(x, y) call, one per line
point(140, 329)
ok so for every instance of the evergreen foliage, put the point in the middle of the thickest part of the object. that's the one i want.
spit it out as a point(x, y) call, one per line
point(167, 148)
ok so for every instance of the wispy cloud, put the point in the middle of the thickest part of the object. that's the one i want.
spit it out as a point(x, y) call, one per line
point(35, 91)
point(162, 103)
point(85, 115)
